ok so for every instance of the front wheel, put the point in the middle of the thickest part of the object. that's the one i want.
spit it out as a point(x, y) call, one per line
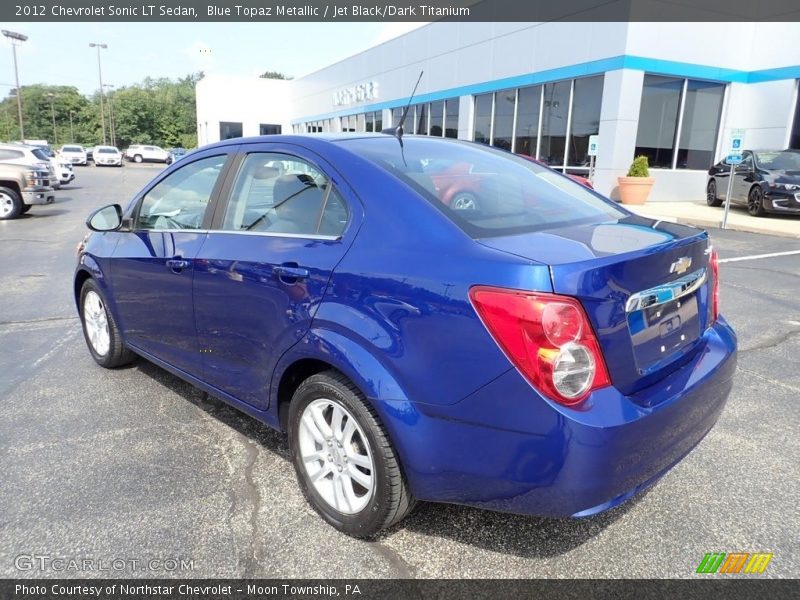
point(100, 330)
point(137, 158)
point(11, 205)
point(345, 463)
point(755, 202)
point(711, 194)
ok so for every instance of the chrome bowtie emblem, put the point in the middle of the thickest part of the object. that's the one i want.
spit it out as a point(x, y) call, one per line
point(681, 265)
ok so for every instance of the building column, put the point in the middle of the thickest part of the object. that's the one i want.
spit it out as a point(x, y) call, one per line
point(619, 122)
point(465, 120)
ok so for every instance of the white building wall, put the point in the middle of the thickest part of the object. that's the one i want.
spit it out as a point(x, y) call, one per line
point(250, 101)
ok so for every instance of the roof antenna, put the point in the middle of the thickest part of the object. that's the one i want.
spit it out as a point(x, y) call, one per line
point(398, 130)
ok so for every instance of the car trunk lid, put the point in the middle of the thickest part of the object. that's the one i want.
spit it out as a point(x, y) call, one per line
point(643, 284)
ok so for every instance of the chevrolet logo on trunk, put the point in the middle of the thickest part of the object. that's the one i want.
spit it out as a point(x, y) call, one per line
point(681, 265)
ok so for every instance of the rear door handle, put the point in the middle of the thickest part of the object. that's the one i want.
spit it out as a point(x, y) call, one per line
point(290, 272)
point(177, 264)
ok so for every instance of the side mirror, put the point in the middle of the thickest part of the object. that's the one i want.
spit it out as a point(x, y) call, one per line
point(108, 218)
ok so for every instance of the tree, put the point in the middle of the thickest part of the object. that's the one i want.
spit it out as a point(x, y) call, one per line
point(274, 75)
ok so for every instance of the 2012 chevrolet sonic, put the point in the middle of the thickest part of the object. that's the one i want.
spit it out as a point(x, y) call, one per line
point(537, 349)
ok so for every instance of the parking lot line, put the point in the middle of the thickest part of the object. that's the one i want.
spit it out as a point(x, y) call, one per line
point(755, 256)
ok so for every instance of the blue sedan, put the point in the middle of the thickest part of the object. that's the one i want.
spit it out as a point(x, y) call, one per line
point(537, 349)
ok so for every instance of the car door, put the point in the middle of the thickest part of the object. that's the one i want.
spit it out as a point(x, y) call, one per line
point(264, 268)
point(743, 179)
point(153, 263)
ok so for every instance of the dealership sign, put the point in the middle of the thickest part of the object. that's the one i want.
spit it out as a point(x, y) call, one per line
point(356, 93)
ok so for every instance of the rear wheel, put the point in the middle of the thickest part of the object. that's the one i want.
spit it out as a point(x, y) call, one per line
point(100, 330)
point(711, 194)
point(755, 202)
point(11, 205)
point(345, 463)
point(137, 158)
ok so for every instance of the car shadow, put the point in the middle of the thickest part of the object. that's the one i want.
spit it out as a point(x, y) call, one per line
point(519, 535)
point(41, 213)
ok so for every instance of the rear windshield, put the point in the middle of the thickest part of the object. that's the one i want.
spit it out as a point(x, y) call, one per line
point(72, 149)
point(107, 151)
point(487, 192)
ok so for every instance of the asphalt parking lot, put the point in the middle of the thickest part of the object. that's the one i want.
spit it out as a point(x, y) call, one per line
point(134, 464)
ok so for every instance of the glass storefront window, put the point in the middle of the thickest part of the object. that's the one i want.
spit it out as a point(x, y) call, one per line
point(504, 103)
point(587, 97)
point(658, 119)
point(529, 99)
point(451, 118)
point(422, 119)
point(437, 118)
point(483, 118)
point(554, 123)
point(700, 125)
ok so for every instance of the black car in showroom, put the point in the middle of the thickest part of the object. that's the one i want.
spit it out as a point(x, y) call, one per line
point(766, 181)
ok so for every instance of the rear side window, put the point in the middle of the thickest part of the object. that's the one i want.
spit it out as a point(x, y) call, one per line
point(282, 194)
point(487, 192)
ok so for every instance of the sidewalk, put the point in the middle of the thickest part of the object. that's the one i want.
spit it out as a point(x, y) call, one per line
point(700, 214)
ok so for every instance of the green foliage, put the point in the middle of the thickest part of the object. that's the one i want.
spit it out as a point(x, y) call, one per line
point(155, 111)
point(274, 75)
point(639, 167)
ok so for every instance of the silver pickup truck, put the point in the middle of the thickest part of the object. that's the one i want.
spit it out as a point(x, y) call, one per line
point(21, 187)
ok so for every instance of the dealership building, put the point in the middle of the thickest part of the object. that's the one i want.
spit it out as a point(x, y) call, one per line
point(671, 91)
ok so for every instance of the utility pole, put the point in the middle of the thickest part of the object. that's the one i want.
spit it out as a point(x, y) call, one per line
point(17, 38)
point(51, 97)
point(100, 74)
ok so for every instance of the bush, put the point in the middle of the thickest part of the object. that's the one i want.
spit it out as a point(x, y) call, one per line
point(639, 167)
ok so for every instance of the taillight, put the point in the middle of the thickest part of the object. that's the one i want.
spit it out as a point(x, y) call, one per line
point(714, 264)
point(547, 337)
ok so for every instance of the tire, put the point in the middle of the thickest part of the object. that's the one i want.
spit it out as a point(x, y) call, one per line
point(365, 451)
point(11, 205)
point(755, 202)
point(711, 194)
point(137, 158)
point(96, 320)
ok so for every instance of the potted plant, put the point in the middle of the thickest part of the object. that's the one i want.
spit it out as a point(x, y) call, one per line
point(635, 188)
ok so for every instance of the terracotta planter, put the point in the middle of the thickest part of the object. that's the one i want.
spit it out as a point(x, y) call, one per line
point(634, 190)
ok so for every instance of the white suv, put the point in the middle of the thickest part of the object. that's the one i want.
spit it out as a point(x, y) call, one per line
point(31, 156)
point(141, 153)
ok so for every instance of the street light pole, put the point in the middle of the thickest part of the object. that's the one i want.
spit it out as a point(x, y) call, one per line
point(111, 115)
point(71, 132)
point(51, 97)
point(15, 39)
point(100, 74)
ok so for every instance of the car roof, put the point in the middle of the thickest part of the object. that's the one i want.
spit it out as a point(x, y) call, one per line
point(313, 139)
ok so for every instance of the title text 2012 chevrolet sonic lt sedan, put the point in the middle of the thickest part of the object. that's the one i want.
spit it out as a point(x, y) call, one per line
point(538, 350)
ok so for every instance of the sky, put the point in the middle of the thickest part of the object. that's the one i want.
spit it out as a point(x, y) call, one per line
point(59, 53)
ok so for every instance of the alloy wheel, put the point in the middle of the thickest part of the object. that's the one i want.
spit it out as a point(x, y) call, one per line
point(6, 205)
point(95, 321)
point(336, 456)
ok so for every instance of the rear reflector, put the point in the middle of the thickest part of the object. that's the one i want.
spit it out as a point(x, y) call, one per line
point(547, 337)
point(714, 264)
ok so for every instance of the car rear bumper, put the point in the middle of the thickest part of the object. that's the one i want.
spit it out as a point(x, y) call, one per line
point(505, 448)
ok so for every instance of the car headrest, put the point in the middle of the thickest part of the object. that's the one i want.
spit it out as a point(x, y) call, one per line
point(266, 172)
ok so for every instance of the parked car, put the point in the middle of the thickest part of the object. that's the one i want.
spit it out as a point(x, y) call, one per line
point(142, 153)
point(766, 181)
point(22, 187)
point(107, 156)
point(64, 173)
point(31, 156)
point(546, 352)
point(74, 153)
point(176, 154)
point(89, 152)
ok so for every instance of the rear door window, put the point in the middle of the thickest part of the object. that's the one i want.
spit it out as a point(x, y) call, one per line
point(284, 195)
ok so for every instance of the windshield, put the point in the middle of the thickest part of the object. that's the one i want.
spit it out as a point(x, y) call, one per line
point(487, 192)
point(38, 153)
point(72, 149)
point(107, 151)
point(779, 160)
